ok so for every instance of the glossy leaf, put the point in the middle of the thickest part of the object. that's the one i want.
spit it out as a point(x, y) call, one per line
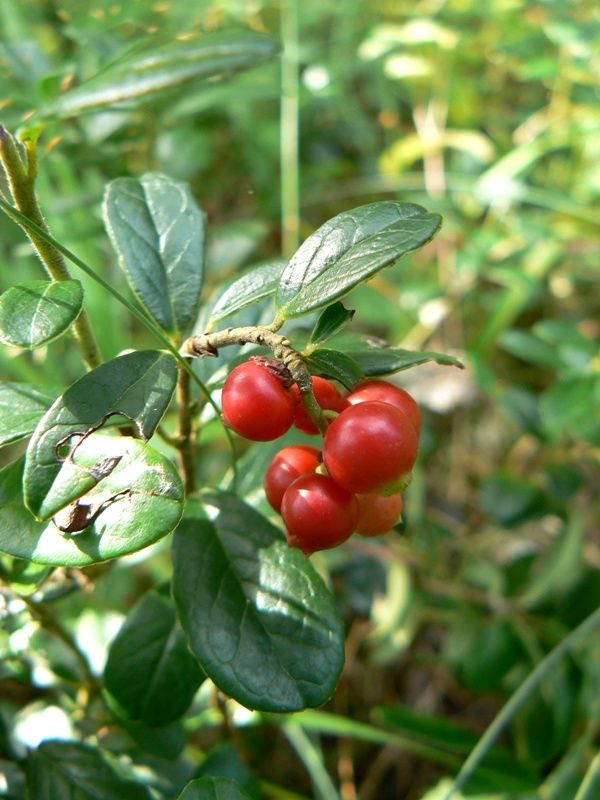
point(139, 502)
point(213, 789)
point(257, 615)
point(21, 408)
point(34, 313)
point(62, 769)
point(138, 386)
point(375, 358)
point(150, 672)
point(165, 68)
point(335, 364)
point(348, 249)
point(250, 287)
point(158, 232)
point(331, 321)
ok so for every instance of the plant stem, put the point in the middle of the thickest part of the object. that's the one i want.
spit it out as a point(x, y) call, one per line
point(290, 173)
point(591, 781)
point(20, 174)
point(208, 344)
point(185, 431)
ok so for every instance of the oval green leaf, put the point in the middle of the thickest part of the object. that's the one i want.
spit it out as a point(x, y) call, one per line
point(21, 408)
point(375, 358)
point(158, 232)
point(213, 789)
point(150, 672)
point(136, 505)
point(77, 771)
point(348, 249)
point(137, 385)
point(250, 287)
point(335, 364)
point(34, 313)
point(331, 321)
point(165, 68)
point(257, 615)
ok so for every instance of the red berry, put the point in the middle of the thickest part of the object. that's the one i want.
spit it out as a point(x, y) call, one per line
point(318, 514)
point(326, 395)
point(370, 447)
point(377, 514)
point(285, 467)
point(256, 404)
point(387, 393)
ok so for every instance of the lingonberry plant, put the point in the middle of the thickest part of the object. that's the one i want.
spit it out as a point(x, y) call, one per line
point(113, 461)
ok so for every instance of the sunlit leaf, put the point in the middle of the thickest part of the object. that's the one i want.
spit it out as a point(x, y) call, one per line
point(138, 386)
point(34, 313)
point(158, 232)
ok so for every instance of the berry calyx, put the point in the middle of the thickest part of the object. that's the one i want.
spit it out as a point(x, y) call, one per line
point(385, 392)
point(318, 514)
point(377, 514)
point(370, 447)
point(256, 404)
point(287, 465)
point(326, 395)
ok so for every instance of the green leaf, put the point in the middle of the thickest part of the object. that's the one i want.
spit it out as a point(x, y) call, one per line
point(223, 761)
point(21, 408)
point(213, 789)
point(498, 767)
point(331, 321)
point(509, 500)
point(559, 567)
point(34, 313)
point(257, 615)
point(150, 671)
point(77, 771)
point(158, 232)
point(530, 348)
point(335, 364)
point(139, 502)
point(165, 68)
point(348, 249)
point(376, 358)
point(250, 287)
point(138, 386)
point(570, 409)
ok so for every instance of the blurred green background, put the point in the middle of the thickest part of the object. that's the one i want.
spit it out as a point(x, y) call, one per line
point(489, 114)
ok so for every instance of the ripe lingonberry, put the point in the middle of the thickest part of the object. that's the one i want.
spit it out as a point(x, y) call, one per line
point(370, 447)
point(387, 393)
point(287, 465)
point(318, 514)
point(256, 403)
point(377, 514)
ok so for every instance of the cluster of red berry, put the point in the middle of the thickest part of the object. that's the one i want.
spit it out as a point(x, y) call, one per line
point(353, 483)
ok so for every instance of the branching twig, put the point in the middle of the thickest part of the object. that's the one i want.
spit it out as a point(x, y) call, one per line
point(208, 344)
